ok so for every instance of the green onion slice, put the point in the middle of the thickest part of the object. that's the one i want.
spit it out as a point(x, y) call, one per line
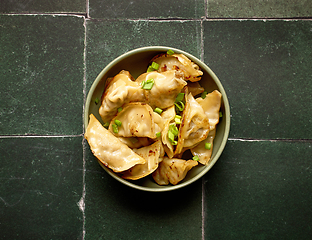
point(180, 97)
point(153, 67)
point(204, 94)
point(179, 106)
point(115, 128)
point(118, 122)
point(158, 110)
point(106, 125)
point(196, 158)
point(158, 134)
point(208, 146)
point(220, 114)
point(177, 119)
point(148, 84)
point(97, 100)
point(119, 109)
point(170, 52)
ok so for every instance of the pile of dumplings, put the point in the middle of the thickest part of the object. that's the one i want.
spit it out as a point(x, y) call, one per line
point(149, 122)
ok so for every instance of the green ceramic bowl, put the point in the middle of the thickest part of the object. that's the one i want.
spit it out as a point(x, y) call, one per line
point(136, 62)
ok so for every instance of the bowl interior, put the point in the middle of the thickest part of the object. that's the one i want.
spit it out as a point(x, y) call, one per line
point(136, 62)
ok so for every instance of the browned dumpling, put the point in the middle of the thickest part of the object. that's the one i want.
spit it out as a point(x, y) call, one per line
point(172, 170)
point(211, 105)
point(120, 90)
point(108, 149)
point(195, 125)
point(201, 151)
point(167, 85)
point(153, 154)
point(136, 120)
point(186, 68)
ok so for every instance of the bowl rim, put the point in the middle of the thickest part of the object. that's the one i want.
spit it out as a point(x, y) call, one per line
point(202, 66)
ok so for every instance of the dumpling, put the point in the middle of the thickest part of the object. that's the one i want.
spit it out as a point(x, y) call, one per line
point(211, 105)
point(136, 120)
point(108, 149)
point(186, 68)
point(172, 170)
point(200, 150)
point(152, 154)
point(168, 117)
point(120, 90)
point(165, 89)
point(194, 127)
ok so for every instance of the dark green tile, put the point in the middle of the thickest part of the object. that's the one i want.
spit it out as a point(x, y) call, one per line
point(39, 6)
point(41, 184)
point(259, 9)
point(265, 67)
point(127, 35)
point(260, 190)
point(116, 211)
point(41, 74)
point(139, 9)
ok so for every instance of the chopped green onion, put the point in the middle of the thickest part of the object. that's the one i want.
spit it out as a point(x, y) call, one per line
point(196, 158)
point(173, 128)
point(208, 146)
point(150, 69)
point(158, 110)
point(158, 134)
point(170, 52)
point(118, 122)
point(106, 125)
point(180, 97)
point(119, 109)
point(177, 119)
point(173, 133)
point(179, 106)
point(148, 84)
point(220, 114)
point(115, 128)
point(204, 94)
point(153, 67)
point(97, 100)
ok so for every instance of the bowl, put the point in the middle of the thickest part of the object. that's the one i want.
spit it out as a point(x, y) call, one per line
point(136, 62)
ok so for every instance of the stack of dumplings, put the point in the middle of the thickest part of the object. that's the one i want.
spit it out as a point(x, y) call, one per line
point(149, 122)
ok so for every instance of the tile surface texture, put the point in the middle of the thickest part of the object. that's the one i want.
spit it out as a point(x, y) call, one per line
point(52, 186)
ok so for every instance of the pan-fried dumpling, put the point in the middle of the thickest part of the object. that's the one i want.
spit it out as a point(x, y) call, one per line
point(152, 154)
point(108, 149)
point(172, 170)
point(165, 89)
point(195, 125)
point(200, 150)
point(120, 90)
point(168, 117)
point(211, 105)
point(186, 68)
point(136, 120)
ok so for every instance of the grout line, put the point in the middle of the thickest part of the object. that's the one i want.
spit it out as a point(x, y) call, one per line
point(203, 209)
point(40, 136)
point(270, 140)
point(87, 9)
point(82, 200)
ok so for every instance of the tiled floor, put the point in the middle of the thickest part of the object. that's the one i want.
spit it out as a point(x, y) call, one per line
point(51, 187)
